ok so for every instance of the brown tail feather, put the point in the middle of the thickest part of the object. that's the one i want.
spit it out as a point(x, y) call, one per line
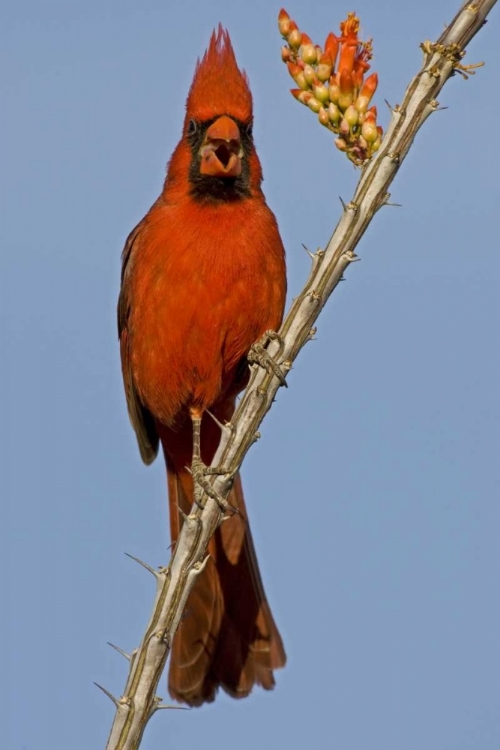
point(227, 637)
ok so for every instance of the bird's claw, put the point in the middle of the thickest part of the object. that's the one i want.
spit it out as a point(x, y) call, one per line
point(199, 472)
point(259, 355)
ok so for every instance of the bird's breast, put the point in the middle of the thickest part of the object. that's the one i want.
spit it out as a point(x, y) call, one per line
point(206, 285)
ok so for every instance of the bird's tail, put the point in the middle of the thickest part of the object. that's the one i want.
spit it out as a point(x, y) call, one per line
point(227, 637)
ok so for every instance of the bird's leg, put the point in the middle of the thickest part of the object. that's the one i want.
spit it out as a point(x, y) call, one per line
point(259, 355)
point(200, 471)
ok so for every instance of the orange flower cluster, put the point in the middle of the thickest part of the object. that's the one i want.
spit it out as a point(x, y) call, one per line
point(331, 83)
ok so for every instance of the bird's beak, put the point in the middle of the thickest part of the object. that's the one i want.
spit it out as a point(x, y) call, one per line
point(222, 152)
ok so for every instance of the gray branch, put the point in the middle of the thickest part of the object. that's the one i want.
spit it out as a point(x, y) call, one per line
point(441, 60)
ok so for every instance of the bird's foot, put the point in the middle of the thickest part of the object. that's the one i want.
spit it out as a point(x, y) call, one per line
point(202, 486)
point(259, 355)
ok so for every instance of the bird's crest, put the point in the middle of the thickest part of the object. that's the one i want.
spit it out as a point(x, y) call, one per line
point(219, 86)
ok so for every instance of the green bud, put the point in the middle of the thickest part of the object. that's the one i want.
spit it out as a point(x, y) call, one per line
point(369, 131)
point(309, 73)
point(323, 117)
point(301, 82)
point(334, 93)
point(294, 39)
point(324, 71)
point(321, 93)
point(284, 22)
point(344, 101)
point(362, 103)
point(351, 115)
point(344, 127)
point(314, 104)
point(308, 53)
point(333, 113)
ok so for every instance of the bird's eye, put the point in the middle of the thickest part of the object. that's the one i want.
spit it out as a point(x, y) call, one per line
point(192, 127)
point(249, 129)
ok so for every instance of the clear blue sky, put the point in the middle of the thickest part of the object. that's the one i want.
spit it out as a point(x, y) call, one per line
point(374, 492)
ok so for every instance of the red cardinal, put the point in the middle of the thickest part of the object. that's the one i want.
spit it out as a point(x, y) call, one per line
point(203, 278)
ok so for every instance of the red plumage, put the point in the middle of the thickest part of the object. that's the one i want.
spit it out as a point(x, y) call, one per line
point(203, 278)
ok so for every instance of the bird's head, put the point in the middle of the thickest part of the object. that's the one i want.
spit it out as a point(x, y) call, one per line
point(216, 152)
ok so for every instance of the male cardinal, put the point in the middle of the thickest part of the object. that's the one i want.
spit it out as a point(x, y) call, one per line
point(203, 278)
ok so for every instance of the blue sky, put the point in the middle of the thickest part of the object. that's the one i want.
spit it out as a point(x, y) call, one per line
point(374, 490)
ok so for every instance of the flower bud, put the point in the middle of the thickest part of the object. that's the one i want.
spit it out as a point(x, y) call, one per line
point(301, 96)
point(334, 93)
point(341, 144)
point(345, 82)
point(357, 80)
point(323, 117)
point(294, 39)
point(369, 86)
point(324, 69)
point(298, 75)
point(344, 101)
point(283, 22)
point(344, 127)
point(309, 74)
point(362, 103)
point(333, 113)
point(351, 115)
point(308, 52)
point(286, 54)
point(314, 104)
point(369, 131)
point(321, 93)
point(331, 47)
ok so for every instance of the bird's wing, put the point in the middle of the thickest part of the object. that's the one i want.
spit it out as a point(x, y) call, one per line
point(142, 421)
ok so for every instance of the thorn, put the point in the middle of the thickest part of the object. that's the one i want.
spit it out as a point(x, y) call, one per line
point(120, 651)
point(348, 207)
point(184, 516)
point(158, 705)
point(110, 695)
point(200, 566)
point(144, 565)
point(388, 203)
point(227, 426)
point(310, 254)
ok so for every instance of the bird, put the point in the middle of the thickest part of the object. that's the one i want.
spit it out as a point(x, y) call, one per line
point(203, 278)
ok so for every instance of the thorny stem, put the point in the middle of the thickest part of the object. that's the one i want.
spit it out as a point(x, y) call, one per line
point(139, 701)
